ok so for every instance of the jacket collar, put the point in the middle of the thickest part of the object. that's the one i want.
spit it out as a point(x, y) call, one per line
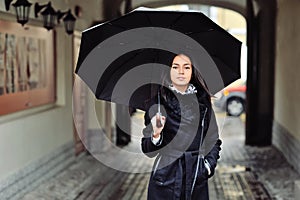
point(191, 89)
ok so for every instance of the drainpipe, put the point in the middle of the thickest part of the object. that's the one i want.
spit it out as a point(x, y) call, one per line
point(111, 9)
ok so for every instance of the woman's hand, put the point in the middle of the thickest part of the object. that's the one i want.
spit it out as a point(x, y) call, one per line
point(158, 122)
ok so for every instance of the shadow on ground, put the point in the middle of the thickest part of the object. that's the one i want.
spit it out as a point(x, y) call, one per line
point(243, 172)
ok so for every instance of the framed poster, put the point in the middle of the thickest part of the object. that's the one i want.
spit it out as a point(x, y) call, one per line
point(27, 77)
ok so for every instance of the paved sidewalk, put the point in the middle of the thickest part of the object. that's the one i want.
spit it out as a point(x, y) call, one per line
point(242, 173)
point(246, 172)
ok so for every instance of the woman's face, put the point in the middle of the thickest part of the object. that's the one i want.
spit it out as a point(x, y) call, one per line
point(181, 72)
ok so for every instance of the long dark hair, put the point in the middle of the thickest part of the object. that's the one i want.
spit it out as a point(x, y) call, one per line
point(198, 80)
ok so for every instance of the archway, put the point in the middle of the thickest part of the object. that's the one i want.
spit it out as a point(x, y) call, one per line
point(260, 16)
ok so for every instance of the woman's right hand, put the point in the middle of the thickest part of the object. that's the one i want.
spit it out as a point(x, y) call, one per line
point(154, 120)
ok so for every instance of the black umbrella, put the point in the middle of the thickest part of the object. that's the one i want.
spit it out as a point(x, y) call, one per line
point(124, 58)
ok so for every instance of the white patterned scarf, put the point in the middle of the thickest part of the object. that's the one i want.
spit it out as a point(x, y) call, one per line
point(191, 89)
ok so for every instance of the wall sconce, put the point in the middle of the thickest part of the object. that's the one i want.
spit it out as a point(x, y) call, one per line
point(22, 8)
point(49, 14)
point(78, 11)
point(69, 20)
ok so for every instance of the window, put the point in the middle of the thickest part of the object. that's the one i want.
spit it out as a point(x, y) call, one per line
point(26, 67)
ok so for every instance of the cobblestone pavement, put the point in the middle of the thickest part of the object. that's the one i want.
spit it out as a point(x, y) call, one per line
point(242, 173)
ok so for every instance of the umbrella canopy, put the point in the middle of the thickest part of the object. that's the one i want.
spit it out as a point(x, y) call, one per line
point(125, 58)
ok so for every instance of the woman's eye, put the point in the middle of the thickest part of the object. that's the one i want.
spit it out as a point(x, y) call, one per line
point(187, 67)
point(174, 67)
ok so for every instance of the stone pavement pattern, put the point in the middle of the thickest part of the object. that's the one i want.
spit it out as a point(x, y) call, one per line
point(242, 173)
point(265, 170)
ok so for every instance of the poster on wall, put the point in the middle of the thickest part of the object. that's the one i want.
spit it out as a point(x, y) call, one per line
point(23, 65)
point(26, 67)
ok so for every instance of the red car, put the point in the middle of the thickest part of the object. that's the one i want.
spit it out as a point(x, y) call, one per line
point(232, 100)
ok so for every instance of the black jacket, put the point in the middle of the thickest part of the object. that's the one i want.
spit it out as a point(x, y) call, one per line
point(178, 171)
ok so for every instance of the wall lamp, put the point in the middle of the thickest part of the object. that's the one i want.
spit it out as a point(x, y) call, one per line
point(22, 8)
point(49, 14)
point(69, 20)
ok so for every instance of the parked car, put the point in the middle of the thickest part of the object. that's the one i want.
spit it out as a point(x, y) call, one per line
point(232, 100)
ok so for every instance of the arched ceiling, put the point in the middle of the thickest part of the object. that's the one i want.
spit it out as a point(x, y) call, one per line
point(236, 5)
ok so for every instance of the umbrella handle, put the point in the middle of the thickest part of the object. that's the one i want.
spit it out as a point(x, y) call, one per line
point(158, 121)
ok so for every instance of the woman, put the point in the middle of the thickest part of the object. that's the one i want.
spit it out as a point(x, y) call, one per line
point(186, 145)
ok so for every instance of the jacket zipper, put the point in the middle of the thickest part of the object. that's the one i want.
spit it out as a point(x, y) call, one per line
point(199, 155)
point(155, 169)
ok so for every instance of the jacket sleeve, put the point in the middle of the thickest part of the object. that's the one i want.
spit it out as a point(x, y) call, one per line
point(148, 147)
point(212, 138)
point(213, 156)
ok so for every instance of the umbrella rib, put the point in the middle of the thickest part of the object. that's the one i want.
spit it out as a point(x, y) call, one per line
point(118, 26)
point(123, 63)
point(190, 33)
point(171, 25)
point(175, 21)
point(148, 18)
point(227, 67)
point(135, 55)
